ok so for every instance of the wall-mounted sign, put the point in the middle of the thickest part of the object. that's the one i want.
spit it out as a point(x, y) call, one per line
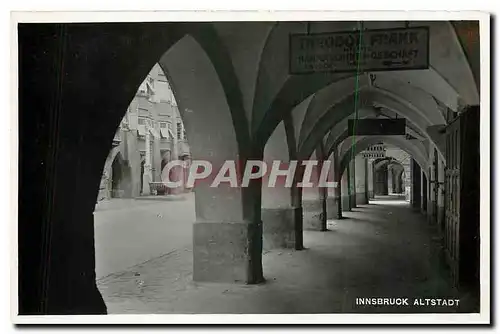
point(381, 50)
point(373, 155)
point(376, 148)
point(376, 127)
point(374, 152)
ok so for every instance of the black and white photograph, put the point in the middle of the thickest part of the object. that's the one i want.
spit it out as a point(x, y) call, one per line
point(247, 168)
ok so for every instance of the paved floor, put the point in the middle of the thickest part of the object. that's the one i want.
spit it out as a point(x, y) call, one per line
point(381, 250)
point(128, 231)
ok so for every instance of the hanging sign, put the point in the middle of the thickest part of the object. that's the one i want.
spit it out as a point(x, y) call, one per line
point(376, 127)
point(379, 50)
point(374, 152)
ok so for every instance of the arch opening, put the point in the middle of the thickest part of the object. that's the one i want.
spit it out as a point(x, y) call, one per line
point(200, 65)
point(200, 110)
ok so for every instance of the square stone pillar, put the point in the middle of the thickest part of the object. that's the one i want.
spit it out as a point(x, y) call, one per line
point(314, 214)
point(227, 234)
point(390, 176)
point(415, 185)
point(360, 183)
point(344, 185)
point(281, 210)
point(370, 182)
point(333, 197)
point(332, 207)
point(431, 204)
point(314, 199)
point(281, 215)
point(351, 172)
point(282, 228)
point(224, 252)
point(338, 199)
point(424, 192)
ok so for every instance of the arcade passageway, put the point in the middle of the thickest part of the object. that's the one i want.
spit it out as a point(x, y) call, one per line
point(399, 119)
point(380, 249)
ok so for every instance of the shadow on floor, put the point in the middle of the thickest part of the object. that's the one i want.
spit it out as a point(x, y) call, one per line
point(380, 251)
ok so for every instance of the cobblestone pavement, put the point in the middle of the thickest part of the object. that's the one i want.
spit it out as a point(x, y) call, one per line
point(128, 231)
point(381, 250)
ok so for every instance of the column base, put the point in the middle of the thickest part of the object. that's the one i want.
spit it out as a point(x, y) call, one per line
point(361, 198)
point(430, 213)
point(346, 203)
point(352, 201)
point(314, 214)
point(282, 228)
point(332, 208)
point(440, 216)
point(227, 252)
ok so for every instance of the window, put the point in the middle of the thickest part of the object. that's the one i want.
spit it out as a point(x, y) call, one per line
point(142, 88)
point(163, 91)
point(149, 89)
point(179, 130)
point(141, 121)
point(166, 130)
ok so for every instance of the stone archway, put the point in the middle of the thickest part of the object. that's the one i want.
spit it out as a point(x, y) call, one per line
point(87, 118)
point(120, 177)
point(399, 187)
point(219, 75)
point(390, 172)
point(116, 179)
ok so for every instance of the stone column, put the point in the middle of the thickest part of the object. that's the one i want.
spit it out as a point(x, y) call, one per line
point(281, 216)
point(431, 202)
point(415, 186)
point(146, 177)
point(367, 182)
point(360, 183)
point(408, 179)
point(338, 194)
point(314, 200)
point(156, 163)
point(134, 158)
point(352, 182)
point(227, 234)
point(344, 185)
point(441, 193)
point(338, 189)
point(371, 190)
point(423, 192)
point(390, 178)
point(333, 197)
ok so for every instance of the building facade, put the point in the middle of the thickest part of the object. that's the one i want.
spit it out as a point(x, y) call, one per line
point(149, 136)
